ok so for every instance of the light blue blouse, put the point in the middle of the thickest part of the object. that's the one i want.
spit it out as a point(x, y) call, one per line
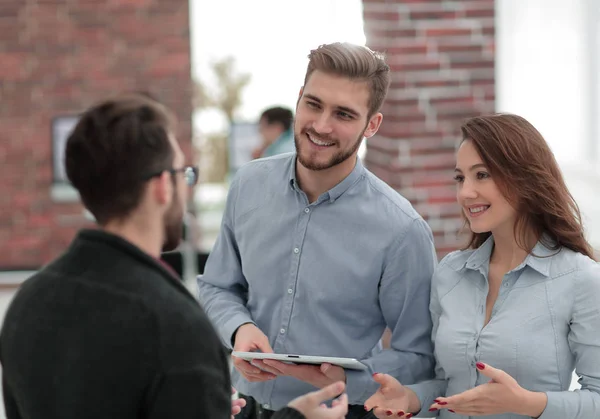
point(544, 324)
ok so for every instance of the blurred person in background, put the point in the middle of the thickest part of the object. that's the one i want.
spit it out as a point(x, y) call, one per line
point(518, 310)
point(107, 330)
point(316, 255)
point(275, 129)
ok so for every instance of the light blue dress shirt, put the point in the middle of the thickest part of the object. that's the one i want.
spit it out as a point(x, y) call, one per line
point(545, 323)
point(322, 278)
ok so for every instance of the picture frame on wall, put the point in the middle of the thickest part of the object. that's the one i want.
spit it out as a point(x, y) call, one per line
point(62, 126)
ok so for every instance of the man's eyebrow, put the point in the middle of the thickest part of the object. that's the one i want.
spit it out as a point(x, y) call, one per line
point(341, 108)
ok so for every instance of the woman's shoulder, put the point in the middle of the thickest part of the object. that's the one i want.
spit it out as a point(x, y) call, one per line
point(456, 259)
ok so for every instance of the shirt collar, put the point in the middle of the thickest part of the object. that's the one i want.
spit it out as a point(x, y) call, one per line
point(339, 189)
point(481, 255)
point(539, 259)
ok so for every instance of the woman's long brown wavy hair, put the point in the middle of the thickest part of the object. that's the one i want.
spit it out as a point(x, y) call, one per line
point(526, 172)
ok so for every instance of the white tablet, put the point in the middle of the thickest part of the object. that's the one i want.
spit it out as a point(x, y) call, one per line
point(348, 363)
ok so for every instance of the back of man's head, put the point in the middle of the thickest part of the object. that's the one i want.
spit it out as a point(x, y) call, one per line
point(278, 115)
point(114, 147)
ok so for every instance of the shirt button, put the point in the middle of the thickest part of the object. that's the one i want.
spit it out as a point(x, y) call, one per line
point(267, 406)
point(290, 291)
point(506, 284)
point(296, 250)
point(282, 331)
point(307, 210)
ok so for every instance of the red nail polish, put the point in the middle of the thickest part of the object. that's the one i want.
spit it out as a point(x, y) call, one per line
point(480, 366)
point(442, 403)
point(436, 401)
point(375, 374)
point(401, 413)
point(410, 415)
point(450, 410)
point(433, 409)
point(389, 413)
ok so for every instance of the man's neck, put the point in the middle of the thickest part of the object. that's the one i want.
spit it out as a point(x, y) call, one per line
point(316, 182)
point(138, 234)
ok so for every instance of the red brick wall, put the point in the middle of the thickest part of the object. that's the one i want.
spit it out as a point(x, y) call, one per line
point(57, 58)
point(442, 57)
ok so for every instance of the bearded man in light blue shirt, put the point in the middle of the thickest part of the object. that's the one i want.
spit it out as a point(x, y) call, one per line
point(317, 256)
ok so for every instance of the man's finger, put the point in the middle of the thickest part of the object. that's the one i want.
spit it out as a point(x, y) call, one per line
point(252, 373)
point(238, 403)
point(264, 345)
point(245, 366)
point(339, 406)
point(282, 367)
point(329, 370)
point(260, 364)
point(255, 378)
point(327, 393)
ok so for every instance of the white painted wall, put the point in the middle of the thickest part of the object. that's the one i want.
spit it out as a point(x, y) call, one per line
point(547, 71)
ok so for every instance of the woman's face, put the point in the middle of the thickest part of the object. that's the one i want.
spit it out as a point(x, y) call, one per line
point(485, 207)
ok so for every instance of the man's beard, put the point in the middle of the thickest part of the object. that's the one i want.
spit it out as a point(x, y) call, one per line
point(173, 222)
point(339, 157)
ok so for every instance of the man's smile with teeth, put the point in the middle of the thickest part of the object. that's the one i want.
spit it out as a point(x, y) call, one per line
point(318, 142)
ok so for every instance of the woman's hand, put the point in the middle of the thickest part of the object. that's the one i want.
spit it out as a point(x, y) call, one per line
point(392, 398)
point(502, 394)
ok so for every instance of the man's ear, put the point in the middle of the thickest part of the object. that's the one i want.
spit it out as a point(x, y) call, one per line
point(373, 125)
point(162, 188)
point(299, 96)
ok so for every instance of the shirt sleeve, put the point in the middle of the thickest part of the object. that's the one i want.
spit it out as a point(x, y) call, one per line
point(404, 298)
point(201, 392)
point(222, 288)
point(584, 340)
point(427, 391)
point(10, 404)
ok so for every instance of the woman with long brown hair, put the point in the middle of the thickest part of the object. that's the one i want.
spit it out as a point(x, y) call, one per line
point(518, 309)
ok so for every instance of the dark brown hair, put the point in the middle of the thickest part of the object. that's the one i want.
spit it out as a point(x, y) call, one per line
point(355, 62)
point(278, 115)
point(115, 144)
point(526, 172)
